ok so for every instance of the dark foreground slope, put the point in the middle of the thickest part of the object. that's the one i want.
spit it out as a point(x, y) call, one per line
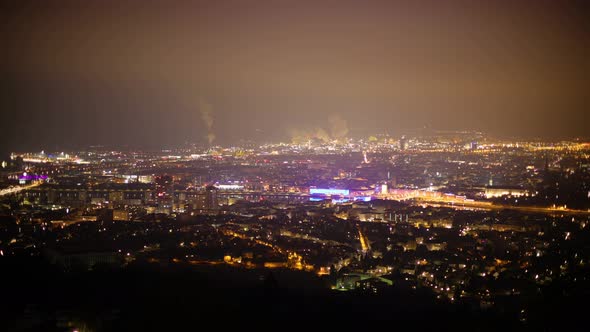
point(37, 296)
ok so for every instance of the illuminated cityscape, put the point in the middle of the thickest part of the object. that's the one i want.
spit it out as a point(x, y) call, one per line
point(294, 165)
point(489, 226)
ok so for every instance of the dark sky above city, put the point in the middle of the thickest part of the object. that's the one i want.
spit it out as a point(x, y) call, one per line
point(155, 73)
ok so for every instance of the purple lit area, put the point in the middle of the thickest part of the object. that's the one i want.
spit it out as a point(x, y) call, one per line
point(329, 192)
point(32, 177)
point(342, 200)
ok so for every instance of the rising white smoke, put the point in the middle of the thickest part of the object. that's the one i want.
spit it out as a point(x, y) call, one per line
point(338, 126)
point(206, 111)
point(338, 130)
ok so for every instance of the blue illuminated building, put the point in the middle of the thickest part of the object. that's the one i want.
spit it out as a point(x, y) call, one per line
point(329, 192)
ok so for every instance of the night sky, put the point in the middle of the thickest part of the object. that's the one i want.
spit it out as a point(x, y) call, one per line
point(149, 73)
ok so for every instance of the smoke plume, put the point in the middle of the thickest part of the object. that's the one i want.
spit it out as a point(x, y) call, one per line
point(206, 111)
point(299, 136)
point(338, 126)
point(338, 130)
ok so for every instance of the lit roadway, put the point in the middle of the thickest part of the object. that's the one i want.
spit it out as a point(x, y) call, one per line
point(489, 206)
point(365, 245)
point(425, 197)
point(14, 190)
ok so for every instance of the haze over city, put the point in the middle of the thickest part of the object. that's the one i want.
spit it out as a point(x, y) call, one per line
point(268, 68)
